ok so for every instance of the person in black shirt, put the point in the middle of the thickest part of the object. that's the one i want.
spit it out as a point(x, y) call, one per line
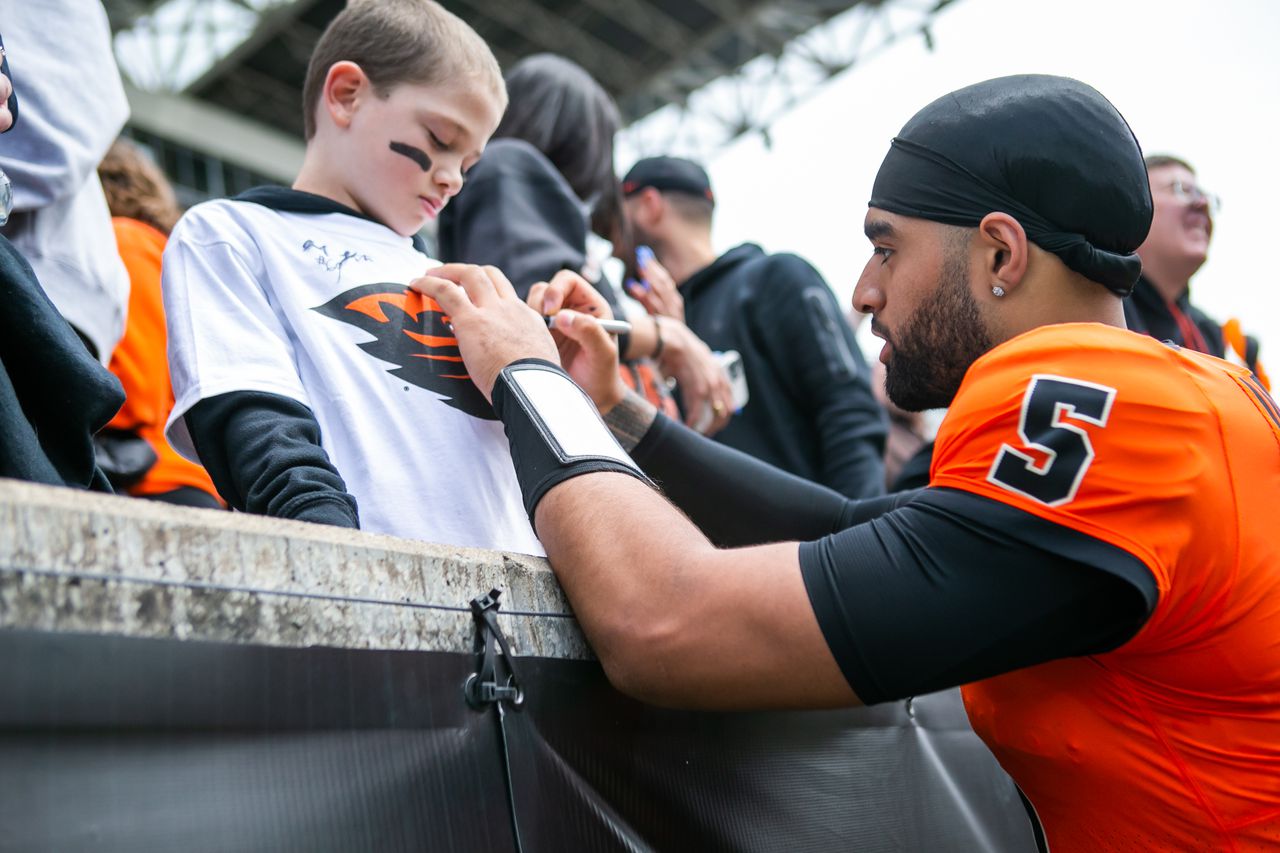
point(545, 184)
point(810, 409)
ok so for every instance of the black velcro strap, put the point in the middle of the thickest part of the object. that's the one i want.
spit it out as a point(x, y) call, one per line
point(554, 430)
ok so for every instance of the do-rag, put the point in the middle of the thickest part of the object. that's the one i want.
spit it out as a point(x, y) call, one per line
point(1051, 152)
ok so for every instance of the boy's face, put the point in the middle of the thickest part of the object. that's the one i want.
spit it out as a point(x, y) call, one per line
point(405, 155)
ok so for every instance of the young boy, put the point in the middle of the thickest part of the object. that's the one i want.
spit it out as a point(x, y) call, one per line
point(310, 382)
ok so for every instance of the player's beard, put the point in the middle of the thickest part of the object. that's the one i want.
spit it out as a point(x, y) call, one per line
point(934, 348)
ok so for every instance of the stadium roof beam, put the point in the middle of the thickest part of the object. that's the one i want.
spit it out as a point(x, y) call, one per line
point(688, 75)
point(613, 67)
point(754, 95)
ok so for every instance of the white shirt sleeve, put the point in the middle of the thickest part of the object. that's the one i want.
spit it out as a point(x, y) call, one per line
point(224, 333)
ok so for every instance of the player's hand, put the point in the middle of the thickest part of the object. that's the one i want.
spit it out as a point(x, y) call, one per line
point(704, 387)
point(493, 327)
point(656, 290)
point(587, 352)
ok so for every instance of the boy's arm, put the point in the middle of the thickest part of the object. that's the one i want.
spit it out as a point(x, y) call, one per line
point(241, 408)
point(264, 455)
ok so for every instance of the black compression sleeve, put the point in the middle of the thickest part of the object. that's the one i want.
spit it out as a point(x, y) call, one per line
point(736, 499)
point(952, 588)
point(264, 455)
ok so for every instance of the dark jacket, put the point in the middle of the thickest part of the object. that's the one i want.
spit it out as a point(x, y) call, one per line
point(811, 411)
point(53, 394)
point(518, 213)
point(1146, 311)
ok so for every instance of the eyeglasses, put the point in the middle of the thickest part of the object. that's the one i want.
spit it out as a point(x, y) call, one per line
point(1191, 194)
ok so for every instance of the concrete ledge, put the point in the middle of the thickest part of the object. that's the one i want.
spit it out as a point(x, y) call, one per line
point(80, 562)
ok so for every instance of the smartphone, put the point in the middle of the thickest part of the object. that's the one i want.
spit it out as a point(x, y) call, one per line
point(731, 363)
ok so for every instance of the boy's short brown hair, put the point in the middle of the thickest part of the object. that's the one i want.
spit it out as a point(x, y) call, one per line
point(400, 41)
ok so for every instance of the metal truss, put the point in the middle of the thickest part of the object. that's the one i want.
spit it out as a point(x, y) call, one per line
point(795, 54)
point(735, 77)
point(162, 45)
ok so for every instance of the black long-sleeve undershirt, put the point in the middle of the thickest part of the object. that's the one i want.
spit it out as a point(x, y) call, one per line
point(264, 455)
point(736, 500)
point(915, 591)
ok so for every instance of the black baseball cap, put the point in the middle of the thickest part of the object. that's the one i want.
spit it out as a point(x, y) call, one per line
point(670, 174)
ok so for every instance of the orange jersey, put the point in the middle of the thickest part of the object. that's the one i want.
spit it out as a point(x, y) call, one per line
point(140, 363)
point(1171, 741)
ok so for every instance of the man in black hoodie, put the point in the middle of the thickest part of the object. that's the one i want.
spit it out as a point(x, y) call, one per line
point(810, 409)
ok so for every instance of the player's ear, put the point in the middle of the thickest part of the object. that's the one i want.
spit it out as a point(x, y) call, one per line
point(1005, 252)
point(344, 87)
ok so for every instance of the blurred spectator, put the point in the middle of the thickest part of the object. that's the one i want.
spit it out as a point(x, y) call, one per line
point(1175, 249)
point(73, 106)
point(53, 394)
point(907, 453)
point(529, 206)
point(144, 211)
point(908, 448)
point(811, 410)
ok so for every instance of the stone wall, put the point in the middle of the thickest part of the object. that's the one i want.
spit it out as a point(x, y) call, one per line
point(78, 562)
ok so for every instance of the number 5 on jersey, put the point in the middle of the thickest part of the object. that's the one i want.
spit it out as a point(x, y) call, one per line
point(1065, 446)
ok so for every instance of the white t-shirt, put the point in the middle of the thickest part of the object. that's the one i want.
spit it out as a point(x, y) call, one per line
point(292, 296)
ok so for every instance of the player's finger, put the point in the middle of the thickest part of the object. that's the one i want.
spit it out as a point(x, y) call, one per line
point(501, 283)
point(449, 295)
point(567, 289)
point(536, 296)
point(473, 279)
point(583, 330)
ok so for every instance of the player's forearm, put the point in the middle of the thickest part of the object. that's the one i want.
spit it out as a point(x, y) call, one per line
point(617, 548)
point(675, 621)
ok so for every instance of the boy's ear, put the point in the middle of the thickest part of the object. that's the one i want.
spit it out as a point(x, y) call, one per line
point(345, 86)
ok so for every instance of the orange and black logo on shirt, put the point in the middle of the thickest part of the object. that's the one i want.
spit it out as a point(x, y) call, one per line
point(411, 331)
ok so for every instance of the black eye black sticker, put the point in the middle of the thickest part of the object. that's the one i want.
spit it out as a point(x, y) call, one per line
point(417, 155)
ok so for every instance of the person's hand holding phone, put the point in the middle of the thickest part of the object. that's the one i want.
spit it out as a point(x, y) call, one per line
point(705, 392)
point(655, 290)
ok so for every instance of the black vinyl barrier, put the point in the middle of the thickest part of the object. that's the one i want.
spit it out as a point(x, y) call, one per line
point(111, 743)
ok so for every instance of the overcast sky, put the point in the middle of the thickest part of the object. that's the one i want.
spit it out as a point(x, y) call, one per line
point(1193, 77)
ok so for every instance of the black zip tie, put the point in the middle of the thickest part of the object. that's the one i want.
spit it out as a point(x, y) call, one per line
point(482, 689)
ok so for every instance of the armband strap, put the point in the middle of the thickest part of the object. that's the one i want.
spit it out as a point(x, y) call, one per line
point(554, 430)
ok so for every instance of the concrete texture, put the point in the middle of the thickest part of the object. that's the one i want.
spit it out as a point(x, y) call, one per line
point(73, 561)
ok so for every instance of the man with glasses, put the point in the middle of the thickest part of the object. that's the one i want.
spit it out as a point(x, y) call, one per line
point(1175, 248)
